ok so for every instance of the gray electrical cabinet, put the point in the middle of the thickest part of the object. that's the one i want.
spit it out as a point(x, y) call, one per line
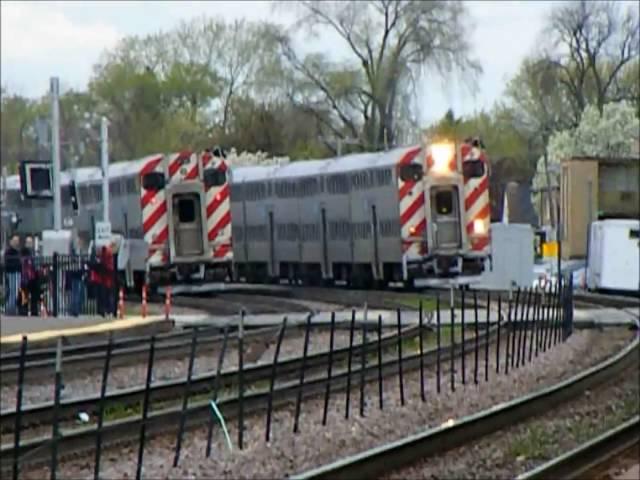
point(512, 251)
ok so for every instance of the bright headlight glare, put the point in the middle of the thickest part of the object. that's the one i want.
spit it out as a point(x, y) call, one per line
point(478, 226)
point(441, 153)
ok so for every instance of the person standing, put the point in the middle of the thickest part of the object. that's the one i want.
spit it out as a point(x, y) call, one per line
point(77, 278)
point(30, 280)
point(13, 270)
point(106, 280)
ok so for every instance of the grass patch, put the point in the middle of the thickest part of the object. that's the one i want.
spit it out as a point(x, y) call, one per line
point(534, 444)
point(413, 301)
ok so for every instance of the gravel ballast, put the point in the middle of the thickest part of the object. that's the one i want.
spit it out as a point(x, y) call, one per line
point(121, 377)
point(316, 445)
point(511, 452)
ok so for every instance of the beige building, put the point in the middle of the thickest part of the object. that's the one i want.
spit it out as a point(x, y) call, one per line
point(592, 189)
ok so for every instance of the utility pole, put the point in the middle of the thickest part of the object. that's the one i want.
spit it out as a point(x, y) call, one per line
point(104, 158)
point(338, 141)
point(55, 153)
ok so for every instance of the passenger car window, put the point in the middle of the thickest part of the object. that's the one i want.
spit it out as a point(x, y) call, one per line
point(411, 173)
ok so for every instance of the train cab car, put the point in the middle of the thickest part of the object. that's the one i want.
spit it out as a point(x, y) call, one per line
point(186, 217)
point(455, 185)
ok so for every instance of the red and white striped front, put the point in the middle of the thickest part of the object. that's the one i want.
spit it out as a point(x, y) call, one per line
point(413, 220)
point(154, 215)
point(476, 202)
point(182, 166)
point(218, 212)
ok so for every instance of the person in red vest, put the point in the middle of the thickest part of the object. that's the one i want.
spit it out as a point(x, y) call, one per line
point(107, 279)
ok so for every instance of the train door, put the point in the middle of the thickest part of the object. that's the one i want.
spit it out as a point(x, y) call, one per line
point(326, 271)
point(377, 274)
point(445, 217)
point(272, 243)
point(187, 224)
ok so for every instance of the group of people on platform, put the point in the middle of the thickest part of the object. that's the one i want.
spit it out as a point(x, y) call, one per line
point(28, 279)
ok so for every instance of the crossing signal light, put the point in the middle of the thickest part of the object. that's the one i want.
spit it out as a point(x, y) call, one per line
point(73, 196)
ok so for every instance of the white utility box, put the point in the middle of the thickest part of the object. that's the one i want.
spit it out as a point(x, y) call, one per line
point(512, 257)
point(56, 241)
point(614, 255)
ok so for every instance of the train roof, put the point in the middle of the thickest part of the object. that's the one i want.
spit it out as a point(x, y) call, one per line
point(92, 174)
point(345, 163)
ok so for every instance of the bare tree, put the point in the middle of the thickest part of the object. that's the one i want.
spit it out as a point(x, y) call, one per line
point(592, 44)
point(391, 41)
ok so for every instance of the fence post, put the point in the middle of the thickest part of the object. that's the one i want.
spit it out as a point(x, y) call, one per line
point(350, 355)
point(241, 381)
point(145, 407)
point(329, 367)
point(421, 346)
point(380, 361)
point(185, 395)
point(522, 335)
point(515, 326)
point(18, 426)
point(498, 334)
point(477, 334)
point(438, 333)
point(103, 391)
point(216, 386)
point(400, 373)
point(273, 378)
point(363, 359)
point(303, 365)
point(462, 338)
point(508, 332)
point(486, 338)
point(56, 406)
point(452, 347)
point(56, 286)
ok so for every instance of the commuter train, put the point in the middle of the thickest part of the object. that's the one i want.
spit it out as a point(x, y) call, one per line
point(171, 211)
point(366, 219)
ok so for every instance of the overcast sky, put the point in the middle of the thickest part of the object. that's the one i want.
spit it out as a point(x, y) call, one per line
point(43, 39)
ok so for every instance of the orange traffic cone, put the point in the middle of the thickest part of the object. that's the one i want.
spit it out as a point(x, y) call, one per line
point(43, 309)
point(144, 301)
point(167, 303)
point(121, 304)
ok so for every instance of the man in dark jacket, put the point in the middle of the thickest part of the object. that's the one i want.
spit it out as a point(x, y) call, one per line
point(30, 280)
point(13, 270)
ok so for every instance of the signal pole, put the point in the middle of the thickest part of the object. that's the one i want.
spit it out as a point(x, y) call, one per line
point(104, 158)
point(55, 153)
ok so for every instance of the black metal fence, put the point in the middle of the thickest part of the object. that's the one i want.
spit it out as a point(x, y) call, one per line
point(58, 285)
point(517, 328)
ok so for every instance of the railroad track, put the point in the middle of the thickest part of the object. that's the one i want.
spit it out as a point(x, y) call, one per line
point(591, 459)
point(171, 389)
point(39, 363)
point(75, 440)
point(375, 462)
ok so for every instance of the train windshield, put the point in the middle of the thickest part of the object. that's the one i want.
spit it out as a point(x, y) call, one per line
point(473, 168)
point(214, 177)
point(153, 181)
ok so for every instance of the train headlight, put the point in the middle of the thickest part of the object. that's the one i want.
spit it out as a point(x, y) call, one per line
point(479, 227)
point(441, 153)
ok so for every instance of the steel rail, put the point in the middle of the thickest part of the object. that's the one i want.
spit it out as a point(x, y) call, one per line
point(395, 455)
point(578, 462)
point(37, 450)
point(40, 413)
point(126, 351)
